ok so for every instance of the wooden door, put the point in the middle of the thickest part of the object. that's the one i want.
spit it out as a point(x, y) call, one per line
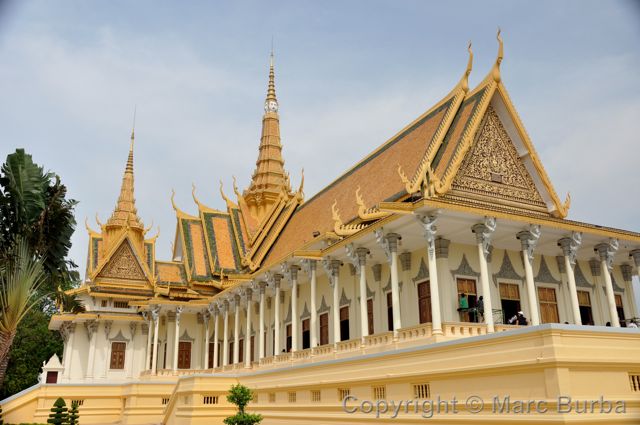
point(344, 323)
point(467, 289)
point(620, 310)
point(389, 311)
point(184, 355)
point(306, 333)
point(324, 328)
point(424, 302)
point(548, 305)
point(289, 337)
point(241, 351)
point(118, 350)
point(370, 315)
point(584, 303)
point(212, 346)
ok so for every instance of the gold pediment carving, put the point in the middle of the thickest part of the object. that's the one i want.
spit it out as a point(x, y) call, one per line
point(123, 265)
point(493, 167)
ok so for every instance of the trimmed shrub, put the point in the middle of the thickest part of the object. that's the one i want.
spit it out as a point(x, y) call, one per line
point(58, 415)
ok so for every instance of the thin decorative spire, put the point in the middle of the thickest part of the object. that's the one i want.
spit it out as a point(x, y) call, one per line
point(271, 91)
point(269, 180)
point(125, 213)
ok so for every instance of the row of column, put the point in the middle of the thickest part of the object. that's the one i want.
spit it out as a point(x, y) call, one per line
point(389, 242)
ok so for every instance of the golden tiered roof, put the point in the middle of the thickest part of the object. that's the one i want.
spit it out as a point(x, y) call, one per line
point(469, 151)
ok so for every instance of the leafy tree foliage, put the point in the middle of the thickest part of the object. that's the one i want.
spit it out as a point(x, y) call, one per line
point(33, 206)
point(241, 396)
point(33, 345)
point(58, 415)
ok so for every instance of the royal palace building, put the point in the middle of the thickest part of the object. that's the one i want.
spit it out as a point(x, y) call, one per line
point(400, 280)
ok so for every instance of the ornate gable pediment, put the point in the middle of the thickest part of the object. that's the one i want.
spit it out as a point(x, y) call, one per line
point(493, 167)
point(123, 264)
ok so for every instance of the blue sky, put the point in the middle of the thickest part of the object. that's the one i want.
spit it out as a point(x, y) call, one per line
point(349, 75)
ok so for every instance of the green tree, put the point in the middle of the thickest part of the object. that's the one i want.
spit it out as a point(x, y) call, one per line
point(74, 416)
point(34, 344)
point(58, 415)
point(241, 396)
point(33, 206)
point(20, 279)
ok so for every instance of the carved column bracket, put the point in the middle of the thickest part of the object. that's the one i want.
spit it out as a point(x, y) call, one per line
point(529, 240)
point(606, 251)
point(570, 246)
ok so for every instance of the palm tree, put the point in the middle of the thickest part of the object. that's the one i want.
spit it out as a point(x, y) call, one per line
point(20, 279)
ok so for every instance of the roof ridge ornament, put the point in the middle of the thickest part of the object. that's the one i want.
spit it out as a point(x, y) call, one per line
point(495, 72)
point(467, 71)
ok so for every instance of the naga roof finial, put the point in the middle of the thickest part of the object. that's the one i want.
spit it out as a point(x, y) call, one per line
point(467, 72)
point(496, 66)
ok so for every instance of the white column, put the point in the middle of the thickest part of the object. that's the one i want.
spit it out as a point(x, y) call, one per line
point(261, 286)
point(528, 241)
point(360, 257)
point(635, 254)
point(92, 330)
point(569, 249)
point(276, 324)
point(176, 339)
point(247, 333)
point(392, 239)
point(429, 224)
point(131, 349)
point(225, 335)
point(311, 264)
point(292, 272)
point(205, 317)
point(236, 330)
point(606, 251)
point(332, 268)
point(68, 332)
point(147, 359)
point(216, 336)
point(155, 317)
point(483, 232)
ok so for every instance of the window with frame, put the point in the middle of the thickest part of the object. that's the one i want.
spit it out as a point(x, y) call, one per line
point(272, 397)
point(634, 380)
point(121, 304)
point(548, 305)
point(292, 396)
point(315, 396)
point(118, 350)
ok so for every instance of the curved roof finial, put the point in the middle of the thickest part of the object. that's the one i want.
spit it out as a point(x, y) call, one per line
point(173, 200)
point(467, 72)
point(496, 67)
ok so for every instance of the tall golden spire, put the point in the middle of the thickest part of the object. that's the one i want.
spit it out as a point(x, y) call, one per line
point(269, 180)
point(125, 213)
